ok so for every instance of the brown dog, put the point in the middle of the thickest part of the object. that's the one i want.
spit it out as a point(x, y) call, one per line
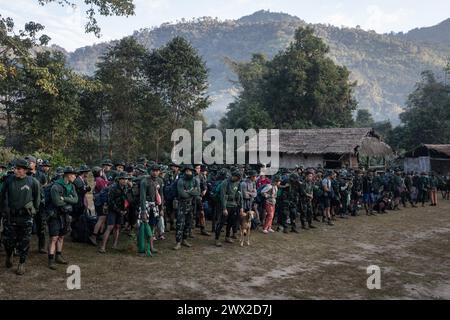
point(245, 221)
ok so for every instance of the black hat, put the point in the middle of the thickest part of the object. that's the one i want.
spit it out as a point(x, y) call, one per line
point(83, 168)
point(69, 170)
point(204, 168)
point(107, 162)
point(31, 159)
point(188, 167)
point(155, 167)
point(140, 168)
point(46, 163)
point(252, 173)
point(122, 175)
point(173, 164)
point(236, 173)
point(120, 163)
point(3, 166)
point(22, 163)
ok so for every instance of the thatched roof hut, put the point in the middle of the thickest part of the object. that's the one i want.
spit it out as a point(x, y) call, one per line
point(323, 146)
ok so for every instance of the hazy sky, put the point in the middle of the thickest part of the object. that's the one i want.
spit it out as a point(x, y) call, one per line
point(66, 26)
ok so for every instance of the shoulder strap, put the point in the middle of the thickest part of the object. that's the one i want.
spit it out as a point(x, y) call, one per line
point(30, 181)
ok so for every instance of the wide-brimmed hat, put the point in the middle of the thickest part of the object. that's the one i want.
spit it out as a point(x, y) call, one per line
point(107, 162)
point(69, 170)
point(122, 175)
point(83, 168)
point(120, 163)
point(252, 173)
point(140, 168)
point(188, 167)
point(31, 159)
point(46, 163)
point(173, 164)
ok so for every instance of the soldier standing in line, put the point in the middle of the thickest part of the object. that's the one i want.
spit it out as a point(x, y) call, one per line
point(307, 196)
point(20, 200)
point(39, 219)
point(188, 190)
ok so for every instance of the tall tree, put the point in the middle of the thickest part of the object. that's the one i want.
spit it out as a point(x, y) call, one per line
point(48, 122)
point(178, 75)
point(426, 118)
point(300, 87)
point(121, 72)
point(364, 119)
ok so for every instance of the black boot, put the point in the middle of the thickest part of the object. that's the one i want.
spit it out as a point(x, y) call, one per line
point(9, 261)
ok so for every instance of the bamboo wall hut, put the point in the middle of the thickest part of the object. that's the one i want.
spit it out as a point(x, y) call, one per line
point(427, 158)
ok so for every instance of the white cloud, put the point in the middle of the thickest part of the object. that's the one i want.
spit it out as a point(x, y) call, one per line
point(382, 21)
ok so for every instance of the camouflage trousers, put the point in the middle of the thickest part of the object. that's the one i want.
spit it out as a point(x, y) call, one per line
point(288, 211)
point(184, 220)
point(17, 236)
point(40, 225)
point(306, 213)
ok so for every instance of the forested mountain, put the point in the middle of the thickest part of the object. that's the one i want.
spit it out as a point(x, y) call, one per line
point(386, 66)
point(438, 34)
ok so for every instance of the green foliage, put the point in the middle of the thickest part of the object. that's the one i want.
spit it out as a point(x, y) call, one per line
point(48, 122)
point(178, 76)
point(7, 155)
point(427, 115)
point(364, 119)
point(300, 88)
point(385, 66)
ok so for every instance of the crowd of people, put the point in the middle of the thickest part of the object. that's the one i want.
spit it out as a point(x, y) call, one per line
point(147, 201)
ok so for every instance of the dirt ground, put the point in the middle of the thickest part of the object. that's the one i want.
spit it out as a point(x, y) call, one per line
point(411, 246)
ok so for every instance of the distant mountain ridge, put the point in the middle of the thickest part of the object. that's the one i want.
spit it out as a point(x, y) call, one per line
point(386, 67)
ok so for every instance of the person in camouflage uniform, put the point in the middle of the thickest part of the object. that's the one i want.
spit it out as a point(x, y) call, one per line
point(231, 205)
point(171, 202)
point(408, 193)
point(20, 199)
point(188, 189)
point(306, 198)
point(397, 188)
point(39, 224)
point(288, 200)
point(336, 204)
point(134, 197)
point(423, 186)
point(153, 187)
point(357, 192)
point(199, 213)
point(317, 197)
point(434, 183)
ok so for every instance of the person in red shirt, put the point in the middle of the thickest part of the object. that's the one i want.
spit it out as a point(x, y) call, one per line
point(262, 181)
